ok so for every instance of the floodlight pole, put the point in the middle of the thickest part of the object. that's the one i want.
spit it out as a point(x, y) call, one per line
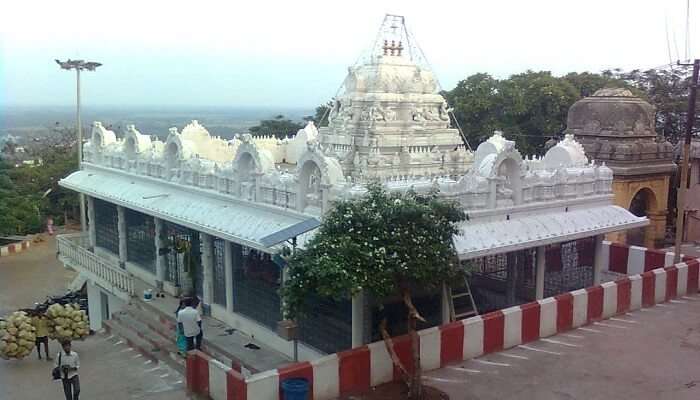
point(79, 65)
point(81, 196)
point(683, 184)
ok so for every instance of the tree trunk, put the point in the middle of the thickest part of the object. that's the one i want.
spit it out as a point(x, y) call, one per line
point(415, 391)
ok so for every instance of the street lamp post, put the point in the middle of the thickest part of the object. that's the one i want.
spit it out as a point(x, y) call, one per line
point(79, 65)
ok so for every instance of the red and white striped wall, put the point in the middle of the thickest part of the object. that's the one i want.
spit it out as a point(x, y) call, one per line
point(633, 260)
point(359, 369)
point(14, 248)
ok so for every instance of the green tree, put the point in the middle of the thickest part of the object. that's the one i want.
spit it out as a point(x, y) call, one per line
point(587, 83)
point(477, 106)
point(30, 193)
point(383, 243)
point(280, 127)
point(534, 107)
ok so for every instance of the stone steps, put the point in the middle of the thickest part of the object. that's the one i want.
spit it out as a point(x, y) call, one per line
point(165, 326)
point(145, 342)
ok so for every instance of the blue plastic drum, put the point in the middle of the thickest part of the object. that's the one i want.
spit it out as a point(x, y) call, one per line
point(295, 389)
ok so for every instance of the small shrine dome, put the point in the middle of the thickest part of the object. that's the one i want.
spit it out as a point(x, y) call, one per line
point(612, 113)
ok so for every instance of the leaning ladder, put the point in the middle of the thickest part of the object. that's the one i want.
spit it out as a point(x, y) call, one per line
point(460, 295)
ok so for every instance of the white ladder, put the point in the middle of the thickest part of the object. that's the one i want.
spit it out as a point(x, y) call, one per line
point(465, 310)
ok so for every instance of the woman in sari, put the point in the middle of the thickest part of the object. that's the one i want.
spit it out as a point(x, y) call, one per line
point(180, 339)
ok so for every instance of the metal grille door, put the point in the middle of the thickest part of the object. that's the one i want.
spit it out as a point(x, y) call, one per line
point(219, 275)
point(256, 283)
point(106, 232)
point(140, 240)
point(174, 261)
point(328, 326)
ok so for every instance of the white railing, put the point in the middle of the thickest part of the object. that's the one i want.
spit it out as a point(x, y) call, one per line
point(73, 251)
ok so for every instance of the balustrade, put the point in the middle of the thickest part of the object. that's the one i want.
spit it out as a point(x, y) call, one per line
point(72, 248)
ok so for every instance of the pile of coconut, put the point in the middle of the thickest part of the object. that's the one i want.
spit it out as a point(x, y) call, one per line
point(67, 322)
point(16, 336)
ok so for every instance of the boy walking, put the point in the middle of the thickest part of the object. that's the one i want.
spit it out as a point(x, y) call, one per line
point(69, 363)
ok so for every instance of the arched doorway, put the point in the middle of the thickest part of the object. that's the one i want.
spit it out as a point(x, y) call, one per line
point(642, 204)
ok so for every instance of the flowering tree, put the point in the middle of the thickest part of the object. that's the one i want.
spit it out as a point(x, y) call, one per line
point(383, 243)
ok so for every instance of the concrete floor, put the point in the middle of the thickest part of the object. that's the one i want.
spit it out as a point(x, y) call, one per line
point(109, 369)
point(649, 354)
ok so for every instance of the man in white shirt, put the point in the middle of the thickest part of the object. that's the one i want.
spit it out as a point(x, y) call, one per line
point(69, 363)
point(188, 318)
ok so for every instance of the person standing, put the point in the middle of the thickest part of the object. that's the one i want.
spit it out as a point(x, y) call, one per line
point(179, 333)
point(41, 323)
point(188, 318)
point(197, 305)
point(68, 362)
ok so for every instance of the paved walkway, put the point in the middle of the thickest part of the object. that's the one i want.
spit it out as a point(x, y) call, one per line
point(109, 370)
point(32, 275)
point(653, 353)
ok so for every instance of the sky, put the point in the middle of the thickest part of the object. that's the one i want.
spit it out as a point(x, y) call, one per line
point(296, 53)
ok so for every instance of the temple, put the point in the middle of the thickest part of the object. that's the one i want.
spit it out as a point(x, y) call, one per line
point(197, 213)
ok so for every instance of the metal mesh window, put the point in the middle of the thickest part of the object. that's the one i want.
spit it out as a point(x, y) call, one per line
point(569, 266)
point(503, 280)
point(140, 240)
point(256, 282)
point(328, 327)
point(106, 232)
point(219, 275)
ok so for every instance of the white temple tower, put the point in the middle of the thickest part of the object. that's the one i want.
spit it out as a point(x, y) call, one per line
point(389, 118)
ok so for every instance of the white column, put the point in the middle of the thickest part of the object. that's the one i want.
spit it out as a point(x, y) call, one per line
point(92, 233)
point(539, 277)
point(160, 259)
point(121, 228)
point(358, 319)
point(228, 275)
point(598, 259)
point(208, 268)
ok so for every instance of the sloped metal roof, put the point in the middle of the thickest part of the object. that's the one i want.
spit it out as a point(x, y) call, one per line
point(234, 220)
point(487, 237)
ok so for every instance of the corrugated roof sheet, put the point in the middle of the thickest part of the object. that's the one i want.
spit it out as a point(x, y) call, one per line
point(234, 220)
point(482, 238)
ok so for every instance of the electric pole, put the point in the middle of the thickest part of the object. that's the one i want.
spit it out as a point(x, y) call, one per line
point(683, 185)
point(79, 65)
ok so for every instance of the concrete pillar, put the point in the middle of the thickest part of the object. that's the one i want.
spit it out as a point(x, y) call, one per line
point(207, 268)
point(445, 304)
point(92, 232)
point(160, 258)
point(121, 228)
point(598, 259)
point(539, 277)
point(358, 318)
point(228, 274)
